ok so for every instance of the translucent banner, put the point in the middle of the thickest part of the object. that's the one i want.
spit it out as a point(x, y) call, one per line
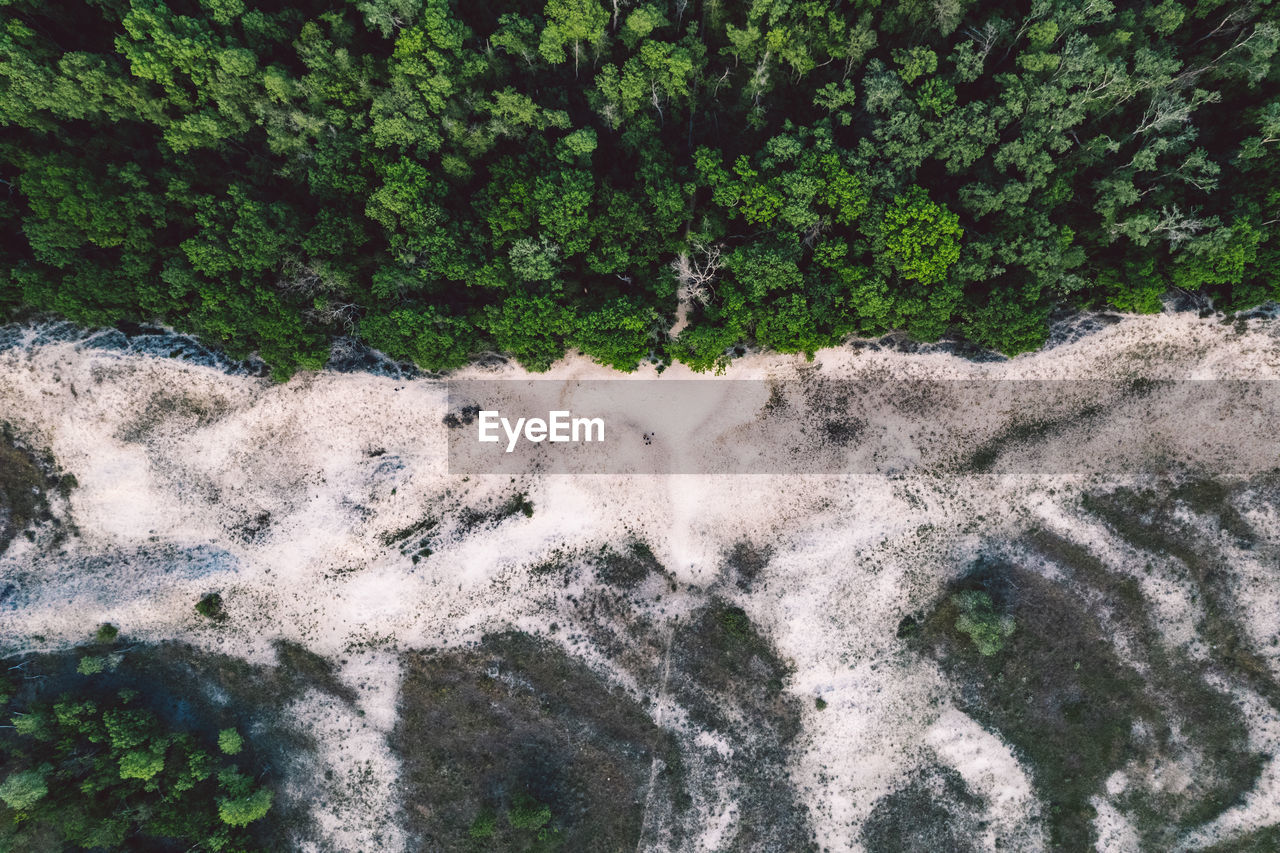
point(886, 427)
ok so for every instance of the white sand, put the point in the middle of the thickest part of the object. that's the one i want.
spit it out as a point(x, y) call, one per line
point(165, 494)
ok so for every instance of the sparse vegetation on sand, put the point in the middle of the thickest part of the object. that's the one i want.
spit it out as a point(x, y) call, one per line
point(27, 480)
point(516, 745)
point(1075, 709)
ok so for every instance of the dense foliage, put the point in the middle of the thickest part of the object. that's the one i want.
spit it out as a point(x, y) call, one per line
point(440, 178)
point(107, 774)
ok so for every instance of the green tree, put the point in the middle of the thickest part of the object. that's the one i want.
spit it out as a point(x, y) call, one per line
point(230, 742)
point(571, 22)
point(619, 333)
point(978, 618)
point(24, 788)
point(921, 237)
point(244, 810)
point(425, 336)
point(533, 329)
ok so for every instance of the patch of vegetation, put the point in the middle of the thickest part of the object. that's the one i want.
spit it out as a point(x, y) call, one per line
point(1024, 432)
point(1151, 520)
point(471, 518)
point(1060, 695)
point(173, 411)
point(735, 624)
point(1265, 840)
point(977, 616)
point(106, 633)
point(526, 825)
point(255, 526)
point(190, 699)
point(511, 745)
point(465, 416)
point(100, 771)
point(301, 666)
point(210, 606)
point(395, 537)
point(628, 568)
point(1156, 521)
point(933, 812)
point(730, 679)
point(843, 431)
point(24, 486)
point(745, 562)
point(558, 564)
point(415, 541)
point(520, 503)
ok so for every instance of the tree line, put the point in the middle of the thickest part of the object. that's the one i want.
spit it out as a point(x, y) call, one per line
point(439, 179)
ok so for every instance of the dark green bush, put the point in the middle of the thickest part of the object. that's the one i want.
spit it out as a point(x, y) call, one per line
point(210, 606)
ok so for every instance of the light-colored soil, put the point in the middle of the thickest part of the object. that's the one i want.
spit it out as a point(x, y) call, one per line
point(284, 497)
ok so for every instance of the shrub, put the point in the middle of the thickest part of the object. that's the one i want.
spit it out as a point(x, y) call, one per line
point(210, 606)
point(91, 665)
point(106, 633)
point(528, 813)
point(979, 619)
point(735, 623)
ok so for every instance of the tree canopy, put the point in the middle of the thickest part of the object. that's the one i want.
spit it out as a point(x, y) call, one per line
point(441, 179)
point(104, 773)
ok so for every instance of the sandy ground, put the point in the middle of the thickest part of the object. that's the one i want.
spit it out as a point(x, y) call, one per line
point(179, 465)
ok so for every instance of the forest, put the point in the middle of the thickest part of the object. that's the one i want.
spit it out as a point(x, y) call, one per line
point(439, 179)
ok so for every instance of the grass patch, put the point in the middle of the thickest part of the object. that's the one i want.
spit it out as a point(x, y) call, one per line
point(1149, 520)
point(746, 562)
point(1023, 432)
point(1226, 767)
point(933, 812)
point(471, 518)
point(628, 568)
point(25, 482)
point(1265, 840)
point(174, 411)
point(512, 745)
point(730, 679)
point(422, 538)
point(417, 541)
point(1055, 691)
